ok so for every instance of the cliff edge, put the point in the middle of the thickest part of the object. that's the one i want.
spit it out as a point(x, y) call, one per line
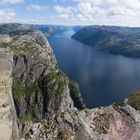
point(48, 104)
point(8, 124)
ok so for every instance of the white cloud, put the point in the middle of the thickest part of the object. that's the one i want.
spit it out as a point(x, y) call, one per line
point(7, 15)
point(85, 8)
point(109, 12)
point(62, 9)
point(64, 16)
point(10, 1)
point(36, 7)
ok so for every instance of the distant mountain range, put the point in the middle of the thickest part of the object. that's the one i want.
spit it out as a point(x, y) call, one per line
point(48, 30)
point(112, 39)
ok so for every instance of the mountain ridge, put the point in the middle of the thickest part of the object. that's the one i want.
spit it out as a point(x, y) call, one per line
point(111, 39)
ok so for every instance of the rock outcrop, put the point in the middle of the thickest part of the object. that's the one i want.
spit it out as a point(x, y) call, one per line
point(107, 123)
point(49, 105)
point(8, 124)
point(40, 89)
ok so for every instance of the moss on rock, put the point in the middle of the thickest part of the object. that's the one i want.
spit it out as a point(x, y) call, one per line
point(75, 95)
point(54, 83)
point(134, 100)
point(20, 91)
point(20, 46)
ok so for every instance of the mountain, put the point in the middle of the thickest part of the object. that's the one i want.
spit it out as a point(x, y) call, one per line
point(50, 30)
point(111, 39)
point(77, 28)
point(9, 28)
point(48, 104)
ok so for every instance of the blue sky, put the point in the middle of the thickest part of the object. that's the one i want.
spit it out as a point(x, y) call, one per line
point(71, 12)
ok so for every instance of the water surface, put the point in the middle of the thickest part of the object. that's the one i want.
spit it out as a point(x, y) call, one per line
point(103, 78)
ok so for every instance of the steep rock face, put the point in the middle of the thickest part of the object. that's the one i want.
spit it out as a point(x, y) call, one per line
point(42, 82)
point(40, 88)
point(49, 105)
point(8, 125)
point(108, 123)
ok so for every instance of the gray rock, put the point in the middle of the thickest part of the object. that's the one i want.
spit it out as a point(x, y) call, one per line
point(8, 125)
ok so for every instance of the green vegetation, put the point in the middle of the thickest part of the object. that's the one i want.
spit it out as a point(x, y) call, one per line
point(21, 96)
point(55, 83)
point(20, 91)
point(116, 107)
point(34, 88)
point(73, 86)
point(56, 87)
point(26, 118)
point(75, 95)
point(40, 64)
point(62, 115)
point(4, 45)
point(134, 100)
point(20, 46)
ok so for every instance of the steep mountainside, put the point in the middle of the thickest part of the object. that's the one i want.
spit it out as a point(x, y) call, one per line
point(8, 124)
point(40, 89)
point(116, 40)
point(49, 105)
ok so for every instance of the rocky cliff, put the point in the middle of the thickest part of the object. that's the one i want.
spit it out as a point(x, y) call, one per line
point(48, 104)
point(8, 124)
point(40, 89)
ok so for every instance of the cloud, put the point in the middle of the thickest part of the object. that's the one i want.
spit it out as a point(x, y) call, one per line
point(108, 12)
point(36, 7)
point(7, 15)
point(62, 9)
point(64, 16)
point(85, 8)
point(10, 1)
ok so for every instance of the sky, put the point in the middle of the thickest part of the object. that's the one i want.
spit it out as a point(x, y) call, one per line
point(71, 12)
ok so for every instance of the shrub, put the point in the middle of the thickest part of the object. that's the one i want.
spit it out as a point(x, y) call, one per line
point(134, 100)
point(19, 91)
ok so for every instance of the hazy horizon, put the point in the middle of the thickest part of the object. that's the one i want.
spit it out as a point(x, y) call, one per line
point(45, 24)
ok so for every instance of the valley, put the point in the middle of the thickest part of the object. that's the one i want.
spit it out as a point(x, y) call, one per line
point(103, 78)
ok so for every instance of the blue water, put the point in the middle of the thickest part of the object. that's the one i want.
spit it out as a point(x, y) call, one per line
point(103, 78)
